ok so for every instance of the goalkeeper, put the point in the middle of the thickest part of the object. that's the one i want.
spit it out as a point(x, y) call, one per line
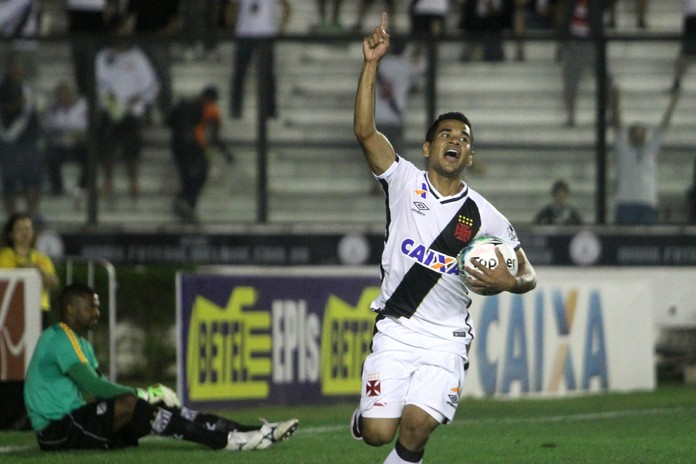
point(73, 406)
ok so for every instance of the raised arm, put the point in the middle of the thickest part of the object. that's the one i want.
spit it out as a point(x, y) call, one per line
point(667, 117)
point(379, 153)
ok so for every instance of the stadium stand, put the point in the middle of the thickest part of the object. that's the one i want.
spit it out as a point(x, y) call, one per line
point(515, 106)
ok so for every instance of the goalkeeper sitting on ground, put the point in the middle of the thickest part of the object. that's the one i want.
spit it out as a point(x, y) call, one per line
point(64, 371)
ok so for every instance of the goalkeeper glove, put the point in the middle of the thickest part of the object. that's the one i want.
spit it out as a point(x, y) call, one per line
point(158, 393)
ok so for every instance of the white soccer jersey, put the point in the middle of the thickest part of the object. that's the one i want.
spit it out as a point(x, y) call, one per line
point(127, 75)
point(422, 296)
point(256, 18)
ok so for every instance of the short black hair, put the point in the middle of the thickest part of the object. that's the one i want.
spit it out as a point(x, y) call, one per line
point(559, 185)
point(210, 92)
point(71, 292)
point(456, 115)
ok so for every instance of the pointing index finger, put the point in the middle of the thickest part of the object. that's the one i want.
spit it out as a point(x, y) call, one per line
point(383, 22)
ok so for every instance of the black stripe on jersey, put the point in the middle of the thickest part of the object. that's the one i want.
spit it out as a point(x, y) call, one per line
point(419, 280)
point(385, 186)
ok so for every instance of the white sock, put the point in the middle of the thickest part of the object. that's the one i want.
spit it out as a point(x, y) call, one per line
point(394, 458)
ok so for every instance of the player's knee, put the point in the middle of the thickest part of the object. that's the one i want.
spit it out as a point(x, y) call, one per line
point(414, 435)
point(124, 405)
point(377, 435)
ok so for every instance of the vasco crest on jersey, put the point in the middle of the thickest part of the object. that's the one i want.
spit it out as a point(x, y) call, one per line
point(462, 230)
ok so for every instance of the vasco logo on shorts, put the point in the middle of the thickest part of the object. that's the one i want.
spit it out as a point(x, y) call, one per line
point(373, 388)
point(438, 262)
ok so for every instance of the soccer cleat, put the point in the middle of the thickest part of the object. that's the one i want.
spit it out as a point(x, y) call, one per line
point(274, 432)
point(355, 425)
point(243, 441)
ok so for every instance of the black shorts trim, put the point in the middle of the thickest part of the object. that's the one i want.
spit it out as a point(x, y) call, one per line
point(87, 427)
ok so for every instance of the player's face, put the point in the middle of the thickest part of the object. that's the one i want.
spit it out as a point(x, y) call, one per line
point(450, 150)
point(86, 314)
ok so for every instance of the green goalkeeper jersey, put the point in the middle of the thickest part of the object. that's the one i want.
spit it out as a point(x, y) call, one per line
point(49, 392)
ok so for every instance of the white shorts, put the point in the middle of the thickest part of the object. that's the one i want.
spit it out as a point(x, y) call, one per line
point(396, 374)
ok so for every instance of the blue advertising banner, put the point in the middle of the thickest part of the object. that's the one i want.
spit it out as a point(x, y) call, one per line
point(290, 336)
point(276, 339)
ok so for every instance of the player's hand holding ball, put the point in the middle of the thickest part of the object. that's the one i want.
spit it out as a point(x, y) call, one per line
point(479, 266)
point(158, 393)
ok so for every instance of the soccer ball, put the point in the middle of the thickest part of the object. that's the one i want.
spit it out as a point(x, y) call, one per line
point(482, 249)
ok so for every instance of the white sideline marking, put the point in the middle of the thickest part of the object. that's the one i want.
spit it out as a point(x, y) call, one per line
point(16, 449)
point(457, 423)
point(529, 420)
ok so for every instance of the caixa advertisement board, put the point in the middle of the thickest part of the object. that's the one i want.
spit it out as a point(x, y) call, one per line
point(278, 336)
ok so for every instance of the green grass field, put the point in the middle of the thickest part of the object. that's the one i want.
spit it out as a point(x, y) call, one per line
point(657, 427)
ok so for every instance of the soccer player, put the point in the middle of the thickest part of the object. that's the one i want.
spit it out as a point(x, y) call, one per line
point(412, 379)
point(71, 405)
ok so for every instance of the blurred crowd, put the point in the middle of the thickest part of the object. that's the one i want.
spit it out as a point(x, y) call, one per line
point(122, 59)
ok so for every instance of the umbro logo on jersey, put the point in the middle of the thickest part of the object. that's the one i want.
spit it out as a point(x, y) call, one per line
point(438, 262)
point(420, 205)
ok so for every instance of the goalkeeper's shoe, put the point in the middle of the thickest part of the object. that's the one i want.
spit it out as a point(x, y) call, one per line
point(243, 441)
point(355, 425)
point(274, 432)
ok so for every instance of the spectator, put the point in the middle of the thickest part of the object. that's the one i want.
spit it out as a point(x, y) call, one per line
point(19, 25)
point(65, 126)
point(688, 45)
point(203, 19)
point(580, 21)
point(254, 20)
point(19, 19)
point(533, 15)
point(88, 20)
point(559, 211)
point(126, 87)
point(327, 24)
point(540, 14)
point(195, 126)
point(427, 22)
point(155, 22)
point(22, 164)
point(364, 7)
point(641, 8)
point(636, 164)
point(484, 21)
point(19, 251)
